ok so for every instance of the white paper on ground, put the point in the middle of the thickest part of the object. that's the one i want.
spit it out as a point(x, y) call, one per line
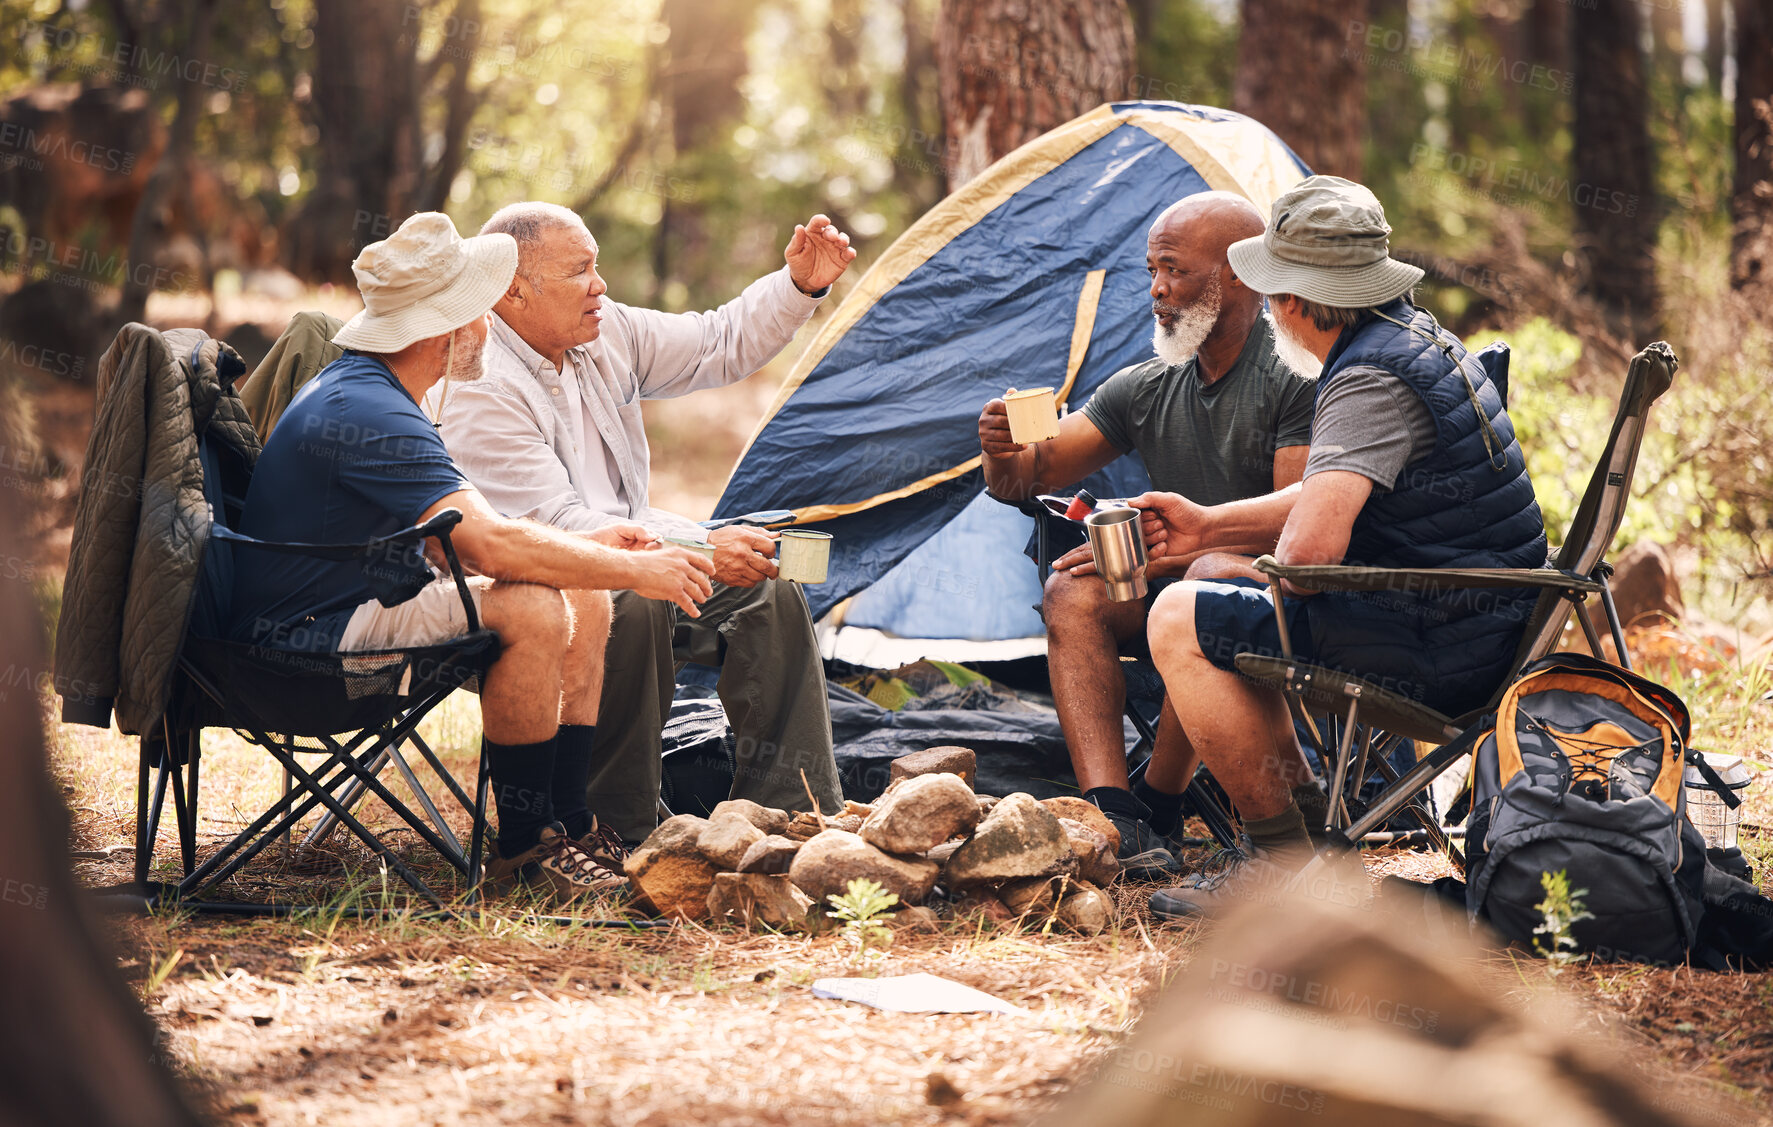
point(914, 994)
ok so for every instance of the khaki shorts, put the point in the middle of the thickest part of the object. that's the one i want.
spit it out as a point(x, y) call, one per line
point(433, 615)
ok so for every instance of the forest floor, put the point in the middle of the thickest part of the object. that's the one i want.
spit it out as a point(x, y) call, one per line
point(498, 1018)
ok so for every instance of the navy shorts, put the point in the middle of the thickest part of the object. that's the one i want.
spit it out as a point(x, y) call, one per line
point(1236, 616)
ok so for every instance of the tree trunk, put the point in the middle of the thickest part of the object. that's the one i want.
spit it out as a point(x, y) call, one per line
point(705, 62)
point(1751, 199)
point(1715, 47)
point(1613, 190)
point(1009, 70)
point(365, 105)
point(1300, 74)
point(151, 213)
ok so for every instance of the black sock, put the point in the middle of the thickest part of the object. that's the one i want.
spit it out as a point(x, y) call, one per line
point(572, 770)
point(522, 775)
point(1166, 809)
point(1116, 800)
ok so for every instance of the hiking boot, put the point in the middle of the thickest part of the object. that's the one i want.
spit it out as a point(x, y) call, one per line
point(605, 846)
point(555, 866)
point(1143, 853)
point(1235, 877)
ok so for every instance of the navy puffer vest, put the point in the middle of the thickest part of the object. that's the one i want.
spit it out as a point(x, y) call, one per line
point(1468, 503)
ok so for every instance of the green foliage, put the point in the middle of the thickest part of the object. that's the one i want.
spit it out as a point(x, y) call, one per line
point(862, 908)
point(1562, 909)
point(1701, 473)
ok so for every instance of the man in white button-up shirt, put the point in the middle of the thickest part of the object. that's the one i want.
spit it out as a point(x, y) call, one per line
point(554, 432)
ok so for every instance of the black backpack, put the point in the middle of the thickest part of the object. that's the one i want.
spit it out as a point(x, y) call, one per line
point(1581, 773)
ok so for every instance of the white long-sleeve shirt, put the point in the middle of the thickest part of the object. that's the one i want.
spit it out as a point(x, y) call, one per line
point(569, 448)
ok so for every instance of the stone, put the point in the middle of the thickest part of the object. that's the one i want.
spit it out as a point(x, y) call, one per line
point(1032, 895)
point(937, 760)
point(765, 818)
point(1096, 859)
point(772, 854)
point(848, 823)
point(986, 802)
point(669, 874)
point(980, 902)
point(921, 813)
point(1083, 810)
point(851, 806)
point(916, 918)
point(1086, 910)
point(727, 837)
point(826, 865)
point(803, 826)
point(1645, 589)
point(760, 898)
point(1019, 838)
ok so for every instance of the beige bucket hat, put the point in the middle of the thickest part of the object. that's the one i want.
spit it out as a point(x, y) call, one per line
point(425, 280)
point(1327, 242)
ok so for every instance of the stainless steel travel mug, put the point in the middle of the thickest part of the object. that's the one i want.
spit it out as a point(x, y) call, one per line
point(1120, 551)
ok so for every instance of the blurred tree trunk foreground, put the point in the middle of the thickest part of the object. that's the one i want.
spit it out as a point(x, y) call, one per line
point(1009, 70)
point(1751, 200)
point(1302, 71)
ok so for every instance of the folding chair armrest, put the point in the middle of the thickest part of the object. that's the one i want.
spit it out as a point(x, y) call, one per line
point(439, 526)
point(1421, 580)
point(764, 519)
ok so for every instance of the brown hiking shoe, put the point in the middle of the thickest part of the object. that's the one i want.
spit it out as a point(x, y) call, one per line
point(555, 866)
point(605, 846)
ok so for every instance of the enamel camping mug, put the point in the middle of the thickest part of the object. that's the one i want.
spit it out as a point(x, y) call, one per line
point(1119, 548)
point(1034, 414)
point(802, 555)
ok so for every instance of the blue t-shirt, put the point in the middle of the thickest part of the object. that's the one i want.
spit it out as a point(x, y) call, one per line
point(352, 458)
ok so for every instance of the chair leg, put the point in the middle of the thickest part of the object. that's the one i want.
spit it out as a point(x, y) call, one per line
point(144, 841)
point(313, 787)
point(1199, 800)
point(477, 843)
point(290, 808)
point(350, 795)
point(424, 799)
point(1340, 779)
point(1612, 613)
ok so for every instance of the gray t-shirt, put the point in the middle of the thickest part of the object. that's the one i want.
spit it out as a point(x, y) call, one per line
point(1211, 444)
point(1370, 422)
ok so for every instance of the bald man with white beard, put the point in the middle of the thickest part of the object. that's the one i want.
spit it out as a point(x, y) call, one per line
point(1218, 413)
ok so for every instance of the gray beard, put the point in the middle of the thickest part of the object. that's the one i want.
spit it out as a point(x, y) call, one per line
point(465, 366)
point(1178, 343)
point(1292, 353)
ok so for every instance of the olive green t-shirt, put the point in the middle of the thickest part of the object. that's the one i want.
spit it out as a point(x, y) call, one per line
point(1210, 444)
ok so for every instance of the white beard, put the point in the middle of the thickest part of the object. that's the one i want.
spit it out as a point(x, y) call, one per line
point(1178, 343)
point(1292, 353)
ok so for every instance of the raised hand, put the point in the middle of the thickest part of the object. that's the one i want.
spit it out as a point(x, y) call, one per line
point(818, 254)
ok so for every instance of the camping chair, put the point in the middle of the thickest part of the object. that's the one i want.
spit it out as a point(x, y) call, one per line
point(1203, 798)
point(1577, 571)
point(356, 710)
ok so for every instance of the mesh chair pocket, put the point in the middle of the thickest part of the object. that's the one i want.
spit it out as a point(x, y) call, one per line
point(376, 674)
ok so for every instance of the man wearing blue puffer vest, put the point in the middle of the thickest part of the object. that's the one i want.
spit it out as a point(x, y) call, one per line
point(1413, 463)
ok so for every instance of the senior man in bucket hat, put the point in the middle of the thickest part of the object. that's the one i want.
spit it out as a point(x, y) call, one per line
point(1413, 463)
point(355, 457)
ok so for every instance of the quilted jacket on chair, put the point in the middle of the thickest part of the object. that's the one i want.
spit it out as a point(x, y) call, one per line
point(141, 522)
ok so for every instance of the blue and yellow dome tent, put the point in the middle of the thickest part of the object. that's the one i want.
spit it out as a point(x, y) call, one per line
point(1032, 274)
